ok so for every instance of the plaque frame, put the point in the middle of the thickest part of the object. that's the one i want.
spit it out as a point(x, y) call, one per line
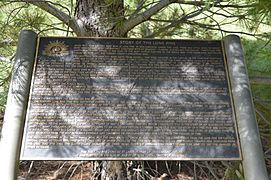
point(233, 108)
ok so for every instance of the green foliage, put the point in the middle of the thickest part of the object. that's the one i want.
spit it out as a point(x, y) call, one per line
point(257, 14)
point(261, 11)
point(234, 172)
point(258, 55)
point(263, 66)
point(262, 91)
point(262, 101)
point(5, 68)
point(17, 16)
point(240, 173)
point(13, 18)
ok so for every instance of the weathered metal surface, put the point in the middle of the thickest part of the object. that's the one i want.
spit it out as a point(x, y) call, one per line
point(130, 99)
point(253, 158)
point(12, 131)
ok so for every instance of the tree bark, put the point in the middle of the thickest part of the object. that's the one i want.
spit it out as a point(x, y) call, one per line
point(100, 18)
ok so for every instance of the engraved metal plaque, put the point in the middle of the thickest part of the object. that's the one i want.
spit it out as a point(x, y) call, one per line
point(125, 99)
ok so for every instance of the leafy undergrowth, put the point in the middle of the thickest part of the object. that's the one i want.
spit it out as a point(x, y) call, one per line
point(262, 101)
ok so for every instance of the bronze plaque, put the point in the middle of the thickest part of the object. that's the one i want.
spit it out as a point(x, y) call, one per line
point(125, 99)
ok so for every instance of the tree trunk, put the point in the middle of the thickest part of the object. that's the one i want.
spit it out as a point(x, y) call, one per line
point(100, 18)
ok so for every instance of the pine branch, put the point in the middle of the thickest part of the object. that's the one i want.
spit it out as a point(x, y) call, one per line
point(139, 7)
point(176, 22)
point(140, 18)
point(218, 3)
point(7, 42)
point(209, 27)
point(148, 13)
point(53, 10)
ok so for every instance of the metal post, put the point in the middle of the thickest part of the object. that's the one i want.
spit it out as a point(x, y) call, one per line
point(253, 158)
point(12, 129)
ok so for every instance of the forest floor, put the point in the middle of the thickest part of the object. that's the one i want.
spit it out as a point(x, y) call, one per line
point(154, 170)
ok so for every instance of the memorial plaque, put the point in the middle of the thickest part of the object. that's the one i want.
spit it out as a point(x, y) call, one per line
point(125, 99)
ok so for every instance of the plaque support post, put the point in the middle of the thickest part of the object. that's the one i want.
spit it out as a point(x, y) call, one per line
point(15, 112)
point(253, 157)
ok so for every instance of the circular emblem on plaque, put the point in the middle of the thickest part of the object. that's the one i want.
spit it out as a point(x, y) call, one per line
point(56, 48)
